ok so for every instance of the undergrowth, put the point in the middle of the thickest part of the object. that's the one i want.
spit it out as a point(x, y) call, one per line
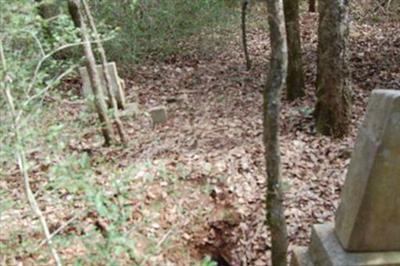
point(160, 28)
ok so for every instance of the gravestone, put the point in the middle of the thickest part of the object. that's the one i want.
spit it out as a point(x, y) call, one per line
point(158, 115)
point(117, 84)
point(367, 223)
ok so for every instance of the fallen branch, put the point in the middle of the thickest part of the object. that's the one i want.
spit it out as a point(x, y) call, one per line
point(61, 228)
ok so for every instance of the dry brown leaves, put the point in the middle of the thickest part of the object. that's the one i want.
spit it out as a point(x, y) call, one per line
point(212, 142)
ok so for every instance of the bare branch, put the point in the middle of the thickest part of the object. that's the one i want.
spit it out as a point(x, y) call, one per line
point(22, 164)
point(47, 56)
point(62, 227)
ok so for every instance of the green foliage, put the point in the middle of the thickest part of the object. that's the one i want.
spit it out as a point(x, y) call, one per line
point(28, 42)
point(109, 206)
point(65, 175)
point(306, 111)
point(71, 174)
point(58, 31)
point(207, 261)
point(18, 30)
point(146, 27)
point(104, 245)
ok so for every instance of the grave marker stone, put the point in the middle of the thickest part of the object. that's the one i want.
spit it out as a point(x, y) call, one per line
point(367, 224)
point(117, 84)
point(158, 115)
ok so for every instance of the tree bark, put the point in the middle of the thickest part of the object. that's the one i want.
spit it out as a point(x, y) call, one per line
point(245, 5)
point(97, 88)
point(272, 93)
point(74, 13)
point(311, 5)
point(332, 111)
point(295, 77)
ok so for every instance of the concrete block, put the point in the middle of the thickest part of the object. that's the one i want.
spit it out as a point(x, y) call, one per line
point(326, 250)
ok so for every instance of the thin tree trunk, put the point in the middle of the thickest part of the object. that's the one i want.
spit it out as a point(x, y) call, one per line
point(311, 5)
point(96, 85)
point(295, 77)
point(74, 13)
point(245, 5)
point(332, 111)
point(22, 162)
point(272, 93)
point(47, 10)
point(120, 127)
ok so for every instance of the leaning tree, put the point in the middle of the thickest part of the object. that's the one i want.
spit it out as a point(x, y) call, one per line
point(272, 93)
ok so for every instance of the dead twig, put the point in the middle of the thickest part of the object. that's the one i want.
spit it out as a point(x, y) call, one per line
point(159, 244)
point(62, 227)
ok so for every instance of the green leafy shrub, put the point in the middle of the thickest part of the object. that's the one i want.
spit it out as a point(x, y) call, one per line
point(207, 261)
point(153, 27)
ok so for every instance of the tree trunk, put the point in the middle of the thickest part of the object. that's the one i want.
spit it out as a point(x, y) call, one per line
point(97, 88)
point(245, 5)
point(74, 13)
point(272, 93)
point(106, 73)
point(311, 5)
point(332, 111)
point(295, 77)
point(47, 10)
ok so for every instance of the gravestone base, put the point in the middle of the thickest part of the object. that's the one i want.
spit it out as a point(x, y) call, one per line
point(301, 257)
point(326, 250)
point(131, 111)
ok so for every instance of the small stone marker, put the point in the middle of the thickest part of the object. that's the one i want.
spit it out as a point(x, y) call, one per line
point(158, 115)
point(367, 229)
point(117, 84)
point(131, 110)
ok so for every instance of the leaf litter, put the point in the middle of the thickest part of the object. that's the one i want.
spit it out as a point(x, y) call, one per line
point(198, 184)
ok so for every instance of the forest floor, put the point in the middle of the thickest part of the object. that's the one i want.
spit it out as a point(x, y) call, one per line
point(195, 186)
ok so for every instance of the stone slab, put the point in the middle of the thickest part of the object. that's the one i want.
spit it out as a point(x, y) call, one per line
point(131, 110)
point(301, 257)
point(117, 84)
point(326, 250)
point(368, 217)
point(158, 115)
